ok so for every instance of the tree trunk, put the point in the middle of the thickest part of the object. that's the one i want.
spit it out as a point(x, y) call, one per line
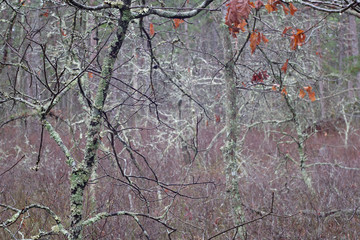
point(321, 82)
point(354, 45)
point(80, 175)
point(233, 168)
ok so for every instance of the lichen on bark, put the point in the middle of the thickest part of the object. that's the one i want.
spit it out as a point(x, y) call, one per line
point(80, 176)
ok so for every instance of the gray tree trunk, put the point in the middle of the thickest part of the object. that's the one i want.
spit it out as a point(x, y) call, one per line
point(80, 175)
point(233, 168)
point(354, 44)
point(321, 82)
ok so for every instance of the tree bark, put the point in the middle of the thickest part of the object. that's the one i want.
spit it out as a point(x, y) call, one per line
point(354, 45)
point(233, 168)
point(80, 175)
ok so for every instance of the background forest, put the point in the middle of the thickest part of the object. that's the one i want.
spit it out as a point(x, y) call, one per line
point(186, 119)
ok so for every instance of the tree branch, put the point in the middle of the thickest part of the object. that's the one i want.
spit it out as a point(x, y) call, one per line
point(172, 14)
point(58, 228)
point(246, 223)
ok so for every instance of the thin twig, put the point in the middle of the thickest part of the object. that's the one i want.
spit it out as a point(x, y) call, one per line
point(246, 223)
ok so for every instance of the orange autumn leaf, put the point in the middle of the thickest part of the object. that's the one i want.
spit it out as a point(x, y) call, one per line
point(299, 31)
point(273, 87)
point(177, 22)
point(242, 25)
point(286, 9)
point(265, 40)
point(293, 9)
point(283, 91)
point(285, 30)
point(152, 31)
point(255, 40)
point(297, 39)
point(270, 8)
point(237, 13)
point(312, 96)
point(311, 93)
point(271, 5)
point(237, 10)
point(302, 93)
point(284, 67)
point(90, 75)
point(308, 89)
point(301, 35)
